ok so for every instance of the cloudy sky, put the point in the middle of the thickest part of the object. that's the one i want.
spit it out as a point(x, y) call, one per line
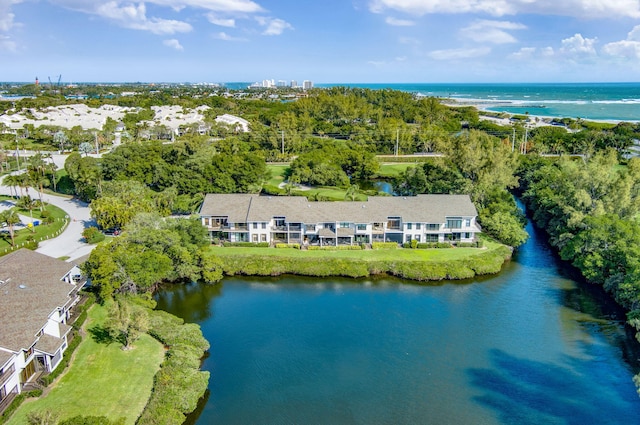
point(327, 41)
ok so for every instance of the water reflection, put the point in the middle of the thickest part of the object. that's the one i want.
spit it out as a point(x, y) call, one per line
point(525, 391)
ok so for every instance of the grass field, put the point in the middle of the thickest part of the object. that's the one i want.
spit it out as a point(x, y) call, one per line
point(103, 380)
point(393, 170)
point(400, 254)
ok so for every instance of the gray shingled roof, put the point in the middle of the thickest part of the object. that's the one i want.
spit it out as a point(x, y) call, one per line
point(49, 344)
point(242, 208)
point(30, 292)
point(4, 357)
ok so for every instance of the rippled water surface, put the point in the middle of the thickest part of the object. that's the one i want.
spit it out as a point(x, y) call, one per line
point(528, 346)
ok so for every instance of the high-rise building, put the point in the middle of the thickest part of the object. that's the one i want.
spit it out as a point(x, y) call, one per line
point(307, 84)
point(294, 84)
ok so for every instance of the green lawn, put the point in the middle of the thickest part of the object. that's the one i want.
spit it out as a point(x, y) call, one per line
point(402, 254)
point(393, 170)
point(277, 174)
point(39, 233)
point(103, 380)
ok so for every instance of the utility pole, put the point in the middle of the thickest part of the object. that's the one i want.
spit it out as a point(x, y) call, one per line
point(397, 140)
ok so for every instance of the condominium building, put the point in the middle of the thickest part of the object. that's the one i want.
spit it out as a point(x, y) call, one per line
point(293, 219)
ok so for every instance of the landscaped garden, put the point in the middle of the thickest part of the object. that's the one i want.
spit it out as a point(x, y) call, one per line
point(103, 379)
point(51, 222)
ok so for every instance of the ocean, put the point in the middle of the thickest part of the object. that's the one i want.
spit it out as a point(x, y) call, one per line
point(594, 101)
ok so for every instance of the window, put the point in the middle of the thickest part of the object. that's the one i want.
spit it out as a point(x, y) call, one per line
point(255, 225)
point(417, 238)
point(430, 226)
point(407, 238)
point(264, 225)
point(431, 237)
point(418, 226)
point(408, 226)
point(345, 225)
point(454, 223)
point(361, 227)
point(467, 222)
point(263, 238)
point(467, 235)
point(254, 238)
point(393, 223)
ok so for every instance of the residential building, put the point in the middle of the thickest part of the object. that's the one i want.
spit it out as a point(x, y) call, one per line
point(237, 123)
point(306, 84)
point(293, 219)
point(36, 295)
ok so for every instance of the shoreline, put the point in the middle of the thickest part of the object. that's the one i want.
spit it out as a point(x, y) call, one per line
point(537, 119)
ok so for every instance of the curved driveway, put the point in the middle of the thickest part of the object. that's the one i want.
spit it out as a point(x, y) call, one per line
point(70, 242)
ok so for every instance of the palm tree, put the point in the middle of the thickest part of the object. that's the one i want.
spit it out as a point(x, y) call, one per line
point(39, 181)
point(27, 203)
point(11, 218)
point(11, 181)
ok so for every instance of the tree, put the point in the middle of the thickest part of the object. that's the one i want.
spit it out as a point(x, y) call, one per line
point(10, 218)
point(27, 203)
point(126, 322)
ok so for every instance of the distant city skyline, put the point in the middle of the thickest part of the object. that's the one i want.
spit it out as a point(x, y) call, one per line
point(358, 41)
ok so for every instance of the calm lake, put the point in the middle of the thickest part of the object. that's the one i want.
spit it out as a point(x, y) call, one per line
point(528, 346)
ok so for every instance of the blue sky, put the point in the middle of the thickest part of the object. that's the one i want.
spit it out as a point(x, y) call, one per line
point(327, 41)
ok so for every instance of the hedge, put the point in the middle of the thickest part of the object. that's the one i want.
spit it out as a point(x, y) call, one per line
point(20, 398)
point(335, 248)
point(288, 245)
point(179, 384)
point(485, 262)
point(247, 244)
point(384, 245)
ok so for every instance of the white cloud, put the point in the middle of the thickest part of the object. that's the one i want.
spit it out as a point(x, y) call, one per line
point(576, 8)
point(525, 53)
point(223, 22)
point(399, 22)
point(274, 26)
point(133, 15)
point(629, 48)
point(579, 45)
point(485, 31)
point(6, 17)
point(226, 37)
point(457, 54)
point(409, 40)
point(7, 44)
point(173, 43)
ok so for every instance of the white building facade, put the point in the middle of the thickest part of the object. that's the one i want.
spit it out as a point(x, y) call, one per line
point(37, 293)
point(293, 219)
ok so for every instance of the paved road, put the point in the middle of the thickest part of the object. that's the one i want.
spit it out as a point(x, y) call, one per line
point(70, 242)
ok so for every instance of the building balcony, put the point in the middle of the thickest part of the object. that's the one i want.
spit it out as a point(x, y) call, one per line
point(7, 374)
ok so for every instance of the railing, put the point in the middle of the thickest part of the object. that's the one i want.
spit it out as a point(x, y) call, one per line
point(6, 401)
point(7, 374)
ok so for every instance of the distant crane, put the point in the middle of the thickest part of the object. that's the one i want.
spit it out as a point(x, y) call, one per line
point(58, 89)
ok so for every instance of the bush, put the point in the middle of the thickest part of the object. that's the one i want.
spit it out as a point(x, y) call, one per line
point(288, 245)
point(48, 379)
point(179, 384)
point(335, 248)
point(92, 235)
point(91, 420)
point(384, 245)
point(12, 407)
point(247, 244)
point(45, 214)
